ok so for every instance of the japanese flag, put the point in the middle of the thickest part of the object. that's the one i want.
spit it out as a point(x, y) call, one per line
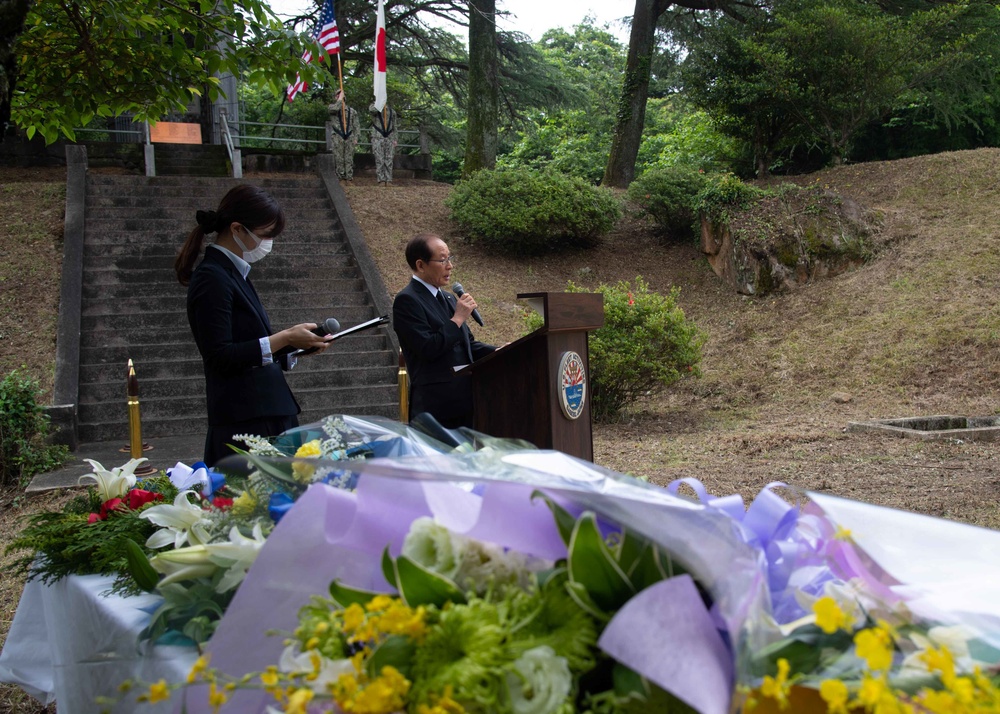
point(380, 97)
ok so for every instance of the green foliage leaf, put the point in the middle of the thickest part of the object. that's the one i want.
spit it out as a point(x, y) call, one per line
point(24, 427)
point(593, 565)
point(344, 595)
point(395, 651)
point(421, 586)
point(139, 566)
point(565, 522)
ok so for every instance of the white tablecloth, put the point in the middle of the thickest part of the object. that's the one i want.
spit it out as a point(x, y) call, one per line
point(71, 644)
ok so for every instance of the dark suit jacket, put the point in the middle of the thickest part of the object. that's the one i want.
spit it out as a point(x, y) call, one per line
point(432, 346)
point(228, 320)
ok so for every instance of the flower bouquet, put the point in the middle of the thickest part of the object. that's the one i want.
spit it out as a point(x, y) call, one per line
point(533, 582)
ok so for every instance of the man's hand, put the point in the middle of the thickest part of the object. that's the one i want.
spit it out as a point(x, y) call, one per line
point(463, 309)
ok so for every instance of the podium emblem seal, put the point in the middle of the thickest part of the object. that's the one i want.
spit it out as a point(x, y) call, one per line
point(572, 385)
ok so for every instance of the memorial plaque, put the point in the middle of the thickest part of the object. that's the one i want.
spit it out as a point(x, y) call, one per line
point(172, 132)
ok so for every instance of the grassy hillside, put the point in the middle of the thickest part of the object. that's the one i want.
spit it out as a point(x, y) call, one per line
point(915, 332)
point(912, 333)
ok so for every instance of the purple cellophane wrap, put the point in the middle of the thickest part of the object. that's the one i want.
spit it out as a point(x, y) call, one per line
point(331, 534)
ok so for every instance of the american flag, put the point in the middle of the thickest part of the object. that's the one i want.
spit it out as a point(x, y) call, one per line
point(328, 36)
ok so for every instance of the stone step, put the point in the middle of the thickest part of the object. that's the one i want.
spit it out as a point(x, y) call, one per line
point(328, 268)
point(285, 182)
point(212, 188)
point(277, 286)
point(165, 368)
point(175, 320)
point(321, 299)
point(136, 334)
point(99, 227)
point(180, 204)
point(370, 401)
point(95, 351)
point(157, 397)
point(184, 214)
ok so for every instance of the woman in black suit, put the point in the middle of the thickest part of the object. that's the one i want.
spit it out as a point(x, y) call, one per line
point(245, 385)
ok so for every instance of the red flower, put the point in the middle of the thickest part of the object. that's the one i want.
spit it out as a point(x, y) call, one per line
point(94, 518)
point(222, 503)
point(137, 498)
point(112, 504)
point(630, 300)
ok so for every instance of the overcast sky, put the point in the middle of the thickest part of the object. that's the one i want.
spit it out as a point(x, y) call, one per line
point(532, 17)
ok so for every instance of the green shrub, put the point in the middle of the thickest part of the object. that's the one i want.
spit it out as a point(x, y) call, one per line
point(23, 428)
point(724, 192)
point(645, 345)
point(525, 212)
point(667, 195)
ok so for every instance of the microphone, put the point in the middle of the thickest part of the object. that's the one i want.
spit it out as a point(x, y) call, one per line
point(330, 326)
point(460, 291)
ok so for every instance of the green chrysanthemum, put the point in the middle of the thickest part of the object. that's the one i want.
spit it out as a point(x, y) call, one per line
point(465, 651)
point(552, 619)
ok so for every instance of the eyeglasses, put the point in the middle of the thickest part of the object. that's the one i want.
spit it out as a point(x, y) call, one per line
point(450, 260)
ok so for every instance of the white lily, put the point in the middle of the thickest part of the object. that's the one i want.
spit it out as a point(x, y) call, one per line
point(114, 483)
point(236, 556)
point(180, 523)
point(183, 564)
point(954, 638)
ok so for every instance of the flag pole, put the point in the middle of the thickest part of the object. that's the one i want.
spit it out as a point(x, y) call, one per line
point(343, 103)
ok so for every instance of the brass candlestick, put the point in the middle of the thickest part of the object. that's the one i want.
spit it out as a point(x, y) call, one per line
point(135, 445)
point(404, 391)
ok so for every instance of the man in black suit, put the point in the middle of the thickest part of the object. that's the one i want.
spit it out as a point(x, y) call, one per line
point(432, 330)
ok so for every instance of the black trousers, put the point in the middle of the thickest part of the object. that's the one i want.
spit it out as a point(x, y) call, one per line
point(219, 436)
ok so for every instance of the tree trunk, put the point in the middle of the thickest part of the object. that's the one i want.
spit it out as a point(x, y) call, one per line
point(632, 106)
point(12, 17)
point(481, 129)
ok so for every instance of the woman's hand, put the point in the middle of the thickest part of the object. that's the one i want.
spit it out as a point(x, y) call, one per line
point(300, 337)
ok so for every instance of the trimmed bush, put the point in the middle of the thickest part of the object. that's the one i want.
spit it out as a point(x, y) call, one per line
point(724, 192)
point(667, 195)
point(524, 212)
point(645, 345)
point(23, 428)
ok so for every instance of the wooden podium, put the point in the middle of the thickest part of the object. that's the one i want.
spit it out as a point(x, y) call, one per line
point(537, 388)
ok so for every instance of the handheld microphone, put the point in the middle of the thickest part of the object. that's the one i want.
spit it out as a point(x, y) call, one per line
point(330, 326)
point(460, 291)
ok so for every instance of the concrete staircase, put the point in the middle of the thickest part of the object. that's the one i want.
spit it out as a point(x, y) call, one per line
point(191, 160)
point(133, 307)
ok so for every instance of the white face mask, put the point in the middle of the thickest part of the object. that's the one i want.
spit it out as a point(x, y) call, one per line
point(263, 247)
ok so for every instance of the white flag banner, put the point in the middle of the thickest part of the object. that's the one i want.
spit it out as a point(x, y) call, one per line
point(380, 95)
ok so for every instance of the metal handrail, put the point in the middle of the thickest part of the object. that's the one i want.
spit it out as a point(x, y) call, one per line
point(235, 159)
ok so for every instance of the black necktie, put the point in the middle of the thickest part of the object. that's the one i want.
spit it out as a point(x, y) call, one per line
point(443, 301)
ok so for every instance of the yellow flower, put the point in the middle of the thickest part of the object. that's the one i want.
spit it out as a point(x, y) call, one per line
point(309, 450)
point(443, 704)
point(875, 647)
point(200, 665)
point(380, 602)
point(835, 694)
point(354, 617)
point(383, 695)
point(269, 678)
point(298, 701)
point(937, 702)
point(777, 688)
point(244, 505)
point(843, 534)
point(158, 692)
point(829, 616)
point(940, 660)
point(216, 698)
